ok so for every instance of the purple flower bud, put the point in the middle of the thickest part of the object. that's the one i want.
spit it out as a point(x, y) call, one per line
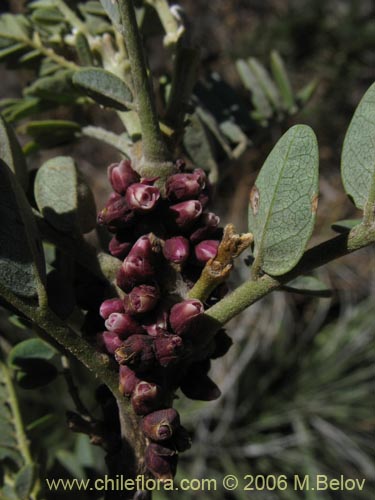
point(127, 380)
point(168, 349)
point(222, 344)
point(139, 264)
point(198, 385)
point(176, 249)
point(183, 315)
point(141, 197)
point(136, 352)
point(185, 186)
point(186, 212)
point(116, 214)
point(119, 248)
point(209, 223)
point(157, 323)
point(110, 306)
point(121, 176)
point(123, 324)
point(206, 250)
point(160, 425)
point(110, 341)
point(161, 461)
point(141, 299)
point(146, 397)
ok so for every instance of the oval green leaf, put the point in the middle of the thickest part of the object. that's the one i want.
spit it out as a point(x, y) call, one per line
point(283, 201)
point(62, 196)
point(358, 153)
point(104, 87)
point(11, 153)
point(30, 349)
point(308, 285)
point(22, 268)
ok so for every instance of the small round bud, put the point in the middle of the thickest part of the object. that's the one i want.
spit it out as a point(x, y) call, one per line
point(119, 248)
point(139, 264)
point(176, 249)
point(185, 186)
point(110, 306)
point(168, 349)
point(141, 197)
point(161, 461)
point(160, 425)
point(183, 315)
point(110, 341)
point(156, 324)
point(206, 250)
point(121, 176)
point(123, 324)
point(208, 223)
point(116, 214)
point(137, 353)
point(146, 397)
point(186, 212)
point(141, 299)
point(127, 380)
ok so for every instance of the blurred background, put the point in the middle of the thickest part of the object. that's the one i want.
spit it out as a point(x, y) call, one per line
point(297, 384)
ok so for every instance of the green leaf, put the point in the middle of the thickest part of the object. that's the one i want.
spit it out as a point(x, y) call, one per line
point(250, 81)
point(31, 361)
point(11, 53)
point(30, 349)
point(306, 93)
point(63, 197)
point(344, 226)
point(265, 82)
point(358, 153)
point(11, 153)
point(51, 133)
point(113, 12)
point(83, 50)
point(9, 447)
point(281, 78)
point(57, 88)
point(22, 268)
point(14, 27)
point(308, 285)
point(104, 87)
point(198, 146)
point(283, 201)
point(24, 481)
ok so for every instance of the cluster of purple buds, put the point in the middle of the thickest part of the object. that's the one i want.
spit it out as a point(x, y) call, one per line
point(150, 335)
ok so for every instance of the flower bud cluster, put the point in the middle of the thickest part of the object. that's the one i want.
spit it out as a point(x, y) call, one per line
point(152, 337)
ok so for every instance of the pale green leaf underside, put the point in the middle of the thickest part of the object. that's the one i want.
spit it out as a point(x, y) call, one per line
point(358, 153)
point(21, 256)
point(283, 201)
point(63, 197)
point(104, 87)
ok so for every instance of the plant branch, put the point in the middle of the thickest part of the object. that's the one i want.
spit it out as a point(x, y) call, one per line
point(252, 291)
point(218, 269)
point(154, 148)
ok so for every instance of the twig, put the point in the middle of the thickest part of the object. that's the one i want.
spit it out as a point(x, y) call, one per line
point(252, 291)
point(218, 269)
point(154, 148)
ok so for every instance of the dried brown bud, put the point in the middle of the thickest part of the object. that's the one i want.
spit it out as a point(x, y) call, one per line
point(161, 461)
point(146, 397)
point(160, 425)
point(137, 353)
